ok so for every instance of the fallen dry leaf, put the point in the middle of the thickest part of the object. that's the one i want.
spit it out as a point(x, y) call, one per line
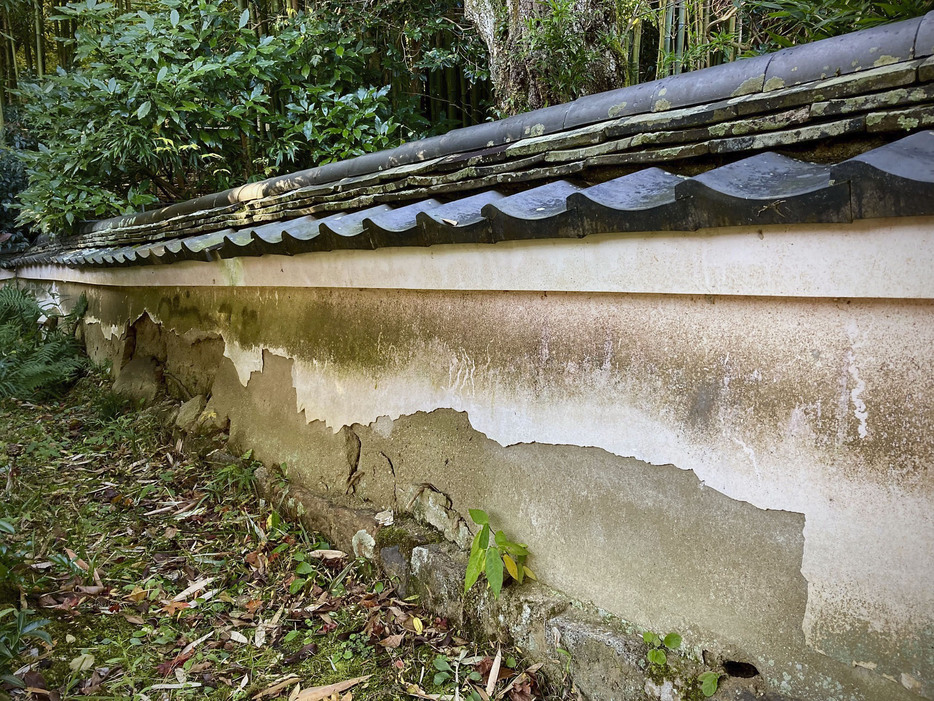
point(393, 641)
point(271, 691)
point(137, 595)
point(195, 587)
point(319, 693)
point(167, 667)
point(327, 554)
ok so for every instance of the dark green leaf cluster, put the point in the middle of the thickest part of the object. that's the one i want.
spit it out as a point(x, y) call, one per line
point(37, 354)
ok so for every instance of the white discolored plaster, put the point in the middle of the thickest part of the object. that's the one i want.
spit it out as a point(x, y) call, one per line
point(109, 331)
point(245, 360)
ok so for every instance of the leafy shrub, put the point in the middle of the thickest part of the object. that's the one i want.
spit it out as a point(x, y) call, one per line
point(35, 359)
point(188, 98)
point(13, 181)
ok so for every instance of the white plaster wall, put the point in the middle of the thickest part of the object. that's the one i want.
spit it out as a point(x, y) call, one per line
point(867, 259)
point(869, 538)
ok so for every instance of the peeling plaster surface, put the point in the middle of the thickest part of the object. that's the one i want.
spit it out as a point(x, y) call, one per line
point(245, 360)
point(819, 407)
point(797, 261)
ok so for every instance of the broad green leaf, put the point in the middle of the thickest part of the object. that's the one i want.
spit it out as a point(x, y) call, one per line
point(162, 73)
point(442, 665)
point(474, 566)
point(494, 571)
point(650, 638)
point(517, 549)
point(479, 517)
point(7, 527)
point(174, 18)
point(709, 682)
point(244, 18)
point(304, 568)
point(672, 641)
point(475, 545)
point(500, 539)
point(657, 657)
point(296, 586)
point(143, 109)
point(511, 567)
point(485, 537)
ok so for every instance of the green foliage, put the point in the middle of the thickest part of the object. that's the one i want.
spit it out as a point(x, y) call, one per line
point(11, 565)
point(493, 558)
point(788, 22)
point(189, 98)
point(448, 671)
point(12, 182)
point(16, 629)
point(35, 358)
point(657, 646)
point(557, 52)
point(709, 682)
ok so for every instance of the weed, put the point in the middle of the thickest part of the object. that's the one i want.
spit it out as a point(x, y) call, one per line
point(448, 670)
point(657, 646)
point(492, 559)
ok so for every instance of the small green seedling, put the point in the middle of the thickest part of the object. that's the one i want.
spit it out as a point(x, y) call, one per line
point(449, 670)
point(657, 646)
point(492, 558)
point(709, 682)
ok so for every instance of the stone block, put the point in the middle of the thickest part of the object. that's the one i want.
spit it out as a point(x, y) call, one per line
point(396, 566)
point(438, 573)
point(140, 379)
point(603, 663)
point(189, 413)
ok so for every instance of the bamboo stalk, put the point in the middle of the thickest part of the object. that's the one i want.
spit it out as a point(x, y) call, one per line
point(731, 52)
point(662, 38)
point(40, 49)
point(8, 26)
point(636, 51)
point(679, 41)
